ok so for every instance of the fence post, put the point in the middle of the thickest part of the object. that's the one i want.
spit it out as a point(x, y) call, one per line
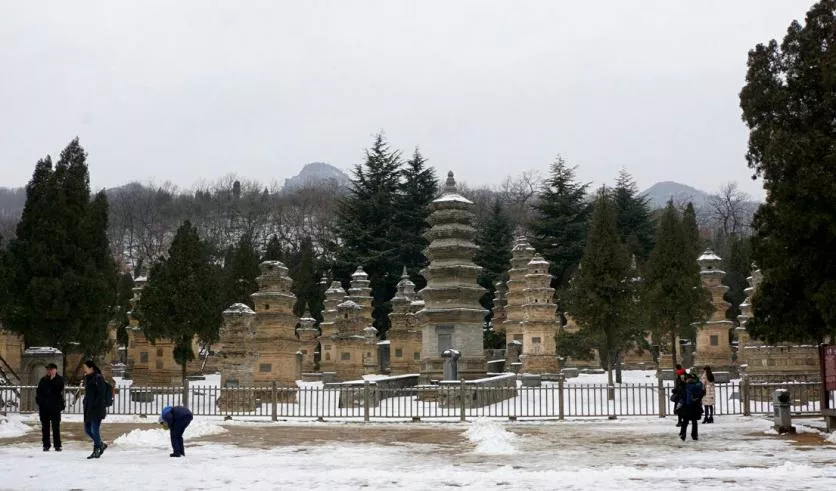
point(185, 392)
point(745, 395)
point(461, 400)
point(663, 403)
point(560, 413)
point(366, 398)
point(274, 402)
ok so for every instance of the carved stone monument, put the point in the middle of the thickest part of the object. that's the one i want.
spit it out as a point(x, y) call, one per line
point(713, 346)
point(452, 316)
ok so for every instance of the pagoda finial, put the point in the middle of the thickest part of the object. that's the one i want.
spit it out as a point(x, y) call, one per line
point(450, 184)
point(404, 275)
point(307, 310)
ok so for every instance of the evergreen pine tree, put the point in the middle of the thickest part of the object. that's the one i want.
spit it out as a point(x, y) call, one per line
point(306, 272)
point(600, 293)
point(61, 276)
point(789, 107)
point(419, 186)
point(273, 251)
point(495, 237)
point(673, 296)
point(182, 299)
point(692, 231)
point(240, 271)
point(561, 222)
point(365, 226)
point(635, 227)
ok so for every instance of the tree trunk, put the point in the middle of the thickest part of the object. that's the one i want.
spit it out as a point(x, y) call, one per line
point(185, 401)
point(618, 367)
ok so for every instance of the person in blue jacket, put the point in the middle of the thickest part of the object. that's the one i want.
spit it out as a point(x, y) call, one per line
point(176, 419)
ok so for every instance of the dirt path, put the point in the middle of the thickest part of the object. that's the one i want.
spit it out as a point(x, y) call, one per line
point(272, 436)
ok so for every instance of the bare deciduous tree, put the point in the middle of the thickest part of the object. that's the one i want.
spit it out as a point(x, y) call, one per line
point(730, 210)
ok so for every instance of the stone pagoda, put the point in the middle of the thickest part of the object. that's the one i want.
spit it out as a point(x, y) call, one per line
point(743, 337)
point(712, 347)
point(334, 296)
point(404, 334)
point(308, 334)
point(236, 355)
point(348, 340)
point(540, 324)
point(452, 317)
point(275, 326)
point(515, 297)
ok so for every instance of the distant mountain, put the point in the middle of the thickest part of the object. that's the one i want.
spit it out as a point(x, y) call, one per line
point(12, 201)
point(317, 174)
point(659, 194)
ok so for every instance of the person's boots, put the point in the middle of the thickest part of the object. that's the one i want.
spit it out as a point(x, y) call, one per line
point(102, 449)
point(97, 452)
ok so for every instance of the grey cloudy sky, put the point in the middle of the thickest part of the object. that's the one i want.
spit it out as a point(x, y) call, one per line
point(189, 91)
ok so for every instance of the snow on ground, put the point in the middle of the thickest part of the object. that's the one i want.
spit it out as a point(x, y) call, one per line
point(13, 426)
point(625, 454)
point(491, 438)
point(160, 438)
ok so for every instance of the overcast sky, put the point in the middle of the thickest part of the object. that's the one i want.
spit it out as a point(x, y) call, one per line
point(190, 91)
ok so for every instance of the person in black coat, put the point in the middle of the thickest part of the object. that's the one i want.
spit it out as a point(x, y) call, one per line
point(95, 406)
point(50, 400)
point(691, 410)
point(176, 419)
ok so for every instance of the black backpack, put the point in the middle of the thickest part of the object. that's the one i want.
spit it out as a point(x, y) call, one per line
point(108, 394)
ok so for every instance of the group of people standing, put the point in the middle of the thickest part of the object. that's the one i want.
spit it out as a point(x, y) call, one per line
point(694, 397)
point(50, 400)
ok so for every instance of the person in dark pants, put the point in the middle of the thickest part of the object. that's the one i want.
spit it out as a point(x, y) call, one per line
point(176, 419)
point(95, 406)
point(691, 410)
point(677, 393)
point(50, 400)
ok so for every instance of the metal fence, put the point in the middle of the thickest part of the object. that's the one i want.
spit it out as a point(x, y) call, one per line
point(447, 401)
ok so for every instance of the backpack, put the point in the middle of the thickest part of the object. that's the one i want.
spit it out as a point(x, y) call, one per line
point(108, 394)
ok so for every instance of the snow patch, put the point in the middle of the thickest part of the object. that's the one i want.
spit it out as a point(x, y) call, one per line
point(13, 428)
point(831, 437)
point(160, 438)
point(491, 438)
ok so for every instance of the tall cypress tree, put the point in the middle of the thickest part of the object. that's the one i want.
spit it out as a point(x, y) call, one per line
point(418, 187)
point(240, 271)
point(692, 231)
point(561, 222)
point(366, 224)
point(635, 227)
point(789, 107)
point(673, 296)
point(305, 270)
point(495, 237)
point(273, 251)
point(183, 298)
point(600, 295)
point(61, 275)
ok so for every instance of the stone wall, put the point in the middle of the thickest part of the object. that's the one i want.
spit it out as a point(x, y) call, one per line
point(478, 393)
point(771, 363)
